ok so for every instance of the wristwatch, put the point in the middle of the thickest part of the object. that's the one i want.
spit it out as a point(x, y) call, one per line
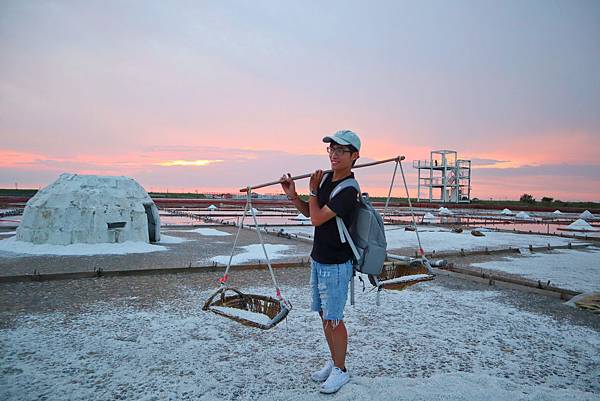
point(313, 193)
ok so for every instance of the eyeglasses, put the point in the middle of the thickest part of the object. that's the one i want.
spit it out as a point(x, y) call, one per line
point(337, 151)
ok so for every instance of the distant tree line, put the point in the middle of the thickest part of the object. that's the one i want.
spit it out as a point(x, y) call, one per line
point(528, 198)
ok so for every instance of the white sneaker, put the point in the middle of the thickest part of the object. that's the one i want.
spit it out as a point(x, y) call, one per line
point(335, 381)
point(322, 374)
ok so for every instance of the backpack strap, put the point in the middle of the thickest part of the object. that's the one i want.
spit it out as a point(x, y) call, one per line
point(323, 180)
point(345, 235)
point(349, 183)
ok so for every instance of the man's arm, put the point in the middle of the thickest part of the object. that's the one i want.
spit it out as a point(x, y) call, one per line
point(301, 205)
point(319, 215)
point(342, 204)
point(290, 190)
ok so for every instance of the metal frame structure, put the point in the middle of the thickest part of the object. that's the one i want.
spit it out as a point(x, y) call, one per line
point(445, 172)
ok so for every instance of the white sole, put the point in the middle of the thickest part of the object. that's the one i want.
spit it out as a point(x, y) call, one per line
point(331, 391)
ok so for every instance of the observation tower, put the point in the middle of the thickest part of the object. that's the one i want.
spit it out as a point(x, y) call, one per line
point(443, 178)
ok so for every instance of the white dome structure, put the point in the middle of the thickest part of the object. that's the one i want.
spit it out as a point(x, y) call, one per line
point(90, 209)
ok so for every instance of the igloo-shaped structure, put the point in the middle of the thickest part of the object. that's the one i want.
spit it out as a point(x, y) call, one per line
point(90, 209)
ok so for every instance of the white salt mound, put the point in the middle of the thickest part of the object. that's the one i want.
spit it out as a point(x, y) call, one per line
point(255, 252)
point(557, 212)
point(90, 209)
point(581, 225)
point(209, 232)
point(523, 215)
point(121, 248)
point(212, 207)
point(586, 215)
point(507, 212)
point(445, 211)
point(428, 216)
point(249, 212)
point(300, 216)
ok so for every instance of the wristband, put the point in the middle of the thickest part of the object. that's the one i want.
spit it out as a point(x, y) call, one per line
point(313, 193)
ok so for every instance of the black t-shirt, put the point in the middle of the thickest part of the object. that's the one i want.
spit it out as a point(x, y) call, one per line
point(327, 247)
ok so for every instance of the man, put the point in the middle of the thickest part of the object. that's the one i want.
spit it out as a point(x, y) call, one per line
point(331, 268)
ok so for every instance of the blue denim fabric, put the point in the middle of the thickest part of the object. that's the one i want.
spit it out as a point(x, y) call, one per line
point(329, 283)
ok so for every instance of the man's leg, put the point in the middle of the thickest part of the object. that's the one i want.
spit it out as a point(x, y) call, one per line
point(328, 336)
point(337, 337)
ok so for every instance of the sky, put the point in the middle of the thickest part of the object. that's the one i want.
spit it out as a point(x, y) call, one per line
point(212, 96)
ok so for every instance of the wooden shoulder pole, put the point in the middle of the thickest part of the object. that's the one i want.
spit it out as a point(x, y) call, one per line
point(299, 177)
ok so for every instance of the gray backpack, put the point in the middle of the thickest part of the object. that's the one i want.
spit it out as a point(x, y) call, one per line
point(366, 235)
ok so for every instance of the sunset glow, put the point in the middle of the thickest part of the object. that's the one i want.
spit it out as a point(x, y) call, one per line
point(214, 97)
point(197, 163)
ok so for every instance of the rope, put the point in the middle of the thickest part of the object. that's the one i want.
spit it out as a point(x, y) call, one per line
point(387, 201)
point(412, 213)
point(225, 277)
point(262, 243)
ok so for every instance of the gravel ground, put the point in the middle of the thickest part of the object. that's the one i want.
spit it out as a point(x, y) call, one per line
point(146, 338)
point(79, 334)
point(69, 296)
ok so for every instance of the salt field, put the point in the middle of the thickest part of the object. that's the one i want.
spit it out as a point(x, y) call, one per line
point(577, 270)
point(146, 337)
point(536, 222)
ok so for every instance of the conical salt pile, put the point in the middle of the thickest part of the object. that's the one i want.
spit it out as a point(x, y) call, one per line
point(507, 212)
point(249, 212)
point(523, 215)
point(586, 215)
point(557, 212)
point(581, 225)
point(428, 218)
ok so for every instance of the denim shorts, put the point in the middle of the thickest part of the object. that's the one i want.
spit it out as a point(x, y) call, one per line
point(329, 283)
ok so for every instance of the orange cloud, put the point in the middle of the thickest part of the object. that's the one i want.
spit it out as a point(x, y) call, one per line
point(196, 163)
point(537, 149)
point(13, 158)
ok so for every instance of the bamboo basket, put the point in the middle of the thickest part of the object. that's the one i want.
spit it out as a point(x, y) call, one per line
point(274, 309)
point(393, 270)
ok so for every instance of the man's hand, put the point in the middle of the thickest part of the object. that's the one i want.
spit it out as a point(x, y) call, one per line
point(315, 180)
point(288, 186)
